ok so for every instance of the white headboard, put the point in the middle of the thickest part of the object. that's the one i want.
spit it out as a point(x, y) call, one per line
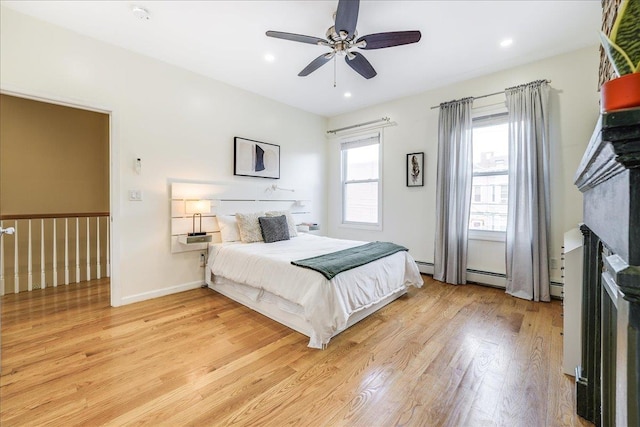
point(228, 199)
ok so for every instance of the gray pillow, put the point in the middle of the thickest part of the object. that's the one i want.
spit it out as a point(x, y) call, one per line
point(292, 225)
point(274, 228)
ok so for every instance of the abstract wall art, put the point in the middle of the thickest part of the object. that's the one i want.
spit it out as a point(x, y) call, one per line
point(255, 158)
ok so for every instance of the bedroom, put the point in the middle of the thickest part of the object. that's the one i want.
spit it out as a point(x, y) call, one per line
point(182, 125)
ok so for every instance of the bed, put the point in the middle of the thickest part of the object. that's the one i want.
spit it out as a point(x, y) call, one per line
point(303, 299)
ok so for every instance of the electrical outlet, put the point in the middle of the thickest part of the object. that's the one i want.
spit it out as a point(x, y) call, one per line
point(202, 259)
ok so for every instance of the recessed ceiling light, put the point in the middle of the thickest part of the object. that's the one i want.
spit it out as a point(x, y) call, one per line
point(506, 42)
point(140, 13)
point(347, 94)
point(269, 57)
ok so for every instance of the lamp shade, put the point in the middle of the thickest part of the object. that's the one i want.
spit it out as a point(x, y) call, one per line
point(197, 206)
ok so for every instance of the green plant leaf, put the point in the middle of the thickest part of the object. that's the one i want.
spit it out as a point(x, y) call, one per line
point(625, 34)
point(620, 61)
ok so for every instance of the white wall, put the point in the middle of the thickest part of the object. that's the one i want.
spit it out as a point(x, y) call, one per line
point(409, 213)
point(182, 126)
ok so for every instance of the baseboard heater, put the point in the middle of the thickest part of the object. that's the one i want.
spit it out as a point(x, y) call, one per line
point(488, 278)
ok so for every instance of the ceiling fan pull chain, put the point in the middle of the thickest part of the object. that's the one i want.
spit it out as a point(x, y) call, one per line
point(334, 71)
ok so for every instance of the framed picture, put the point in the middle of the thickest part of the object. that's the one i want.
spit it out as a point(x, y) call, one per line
point(255, 158)
point(415, 169)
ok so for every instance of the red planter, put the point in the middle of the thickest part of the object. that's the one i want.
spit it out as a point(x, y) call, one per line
point(623, 92)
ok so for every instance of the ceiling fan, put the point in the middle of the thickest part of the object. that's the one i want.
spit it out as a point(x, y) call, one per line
point(341, 39)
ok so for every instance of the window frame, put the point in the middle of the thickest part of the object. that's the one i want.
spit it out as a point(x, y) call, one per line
point(497, 114)
point(343, 182)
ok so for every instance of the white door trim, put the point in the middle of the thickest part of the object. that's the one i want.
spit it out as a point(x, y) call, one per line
point(114, 173)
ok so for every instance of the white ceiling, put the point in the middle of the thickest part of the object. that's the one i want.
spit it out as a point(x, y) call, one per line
point(226, 40)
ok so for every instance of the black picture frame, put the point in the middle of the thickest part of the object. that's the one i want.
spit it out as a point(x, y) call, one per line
point(255, 158)
point(415, 169)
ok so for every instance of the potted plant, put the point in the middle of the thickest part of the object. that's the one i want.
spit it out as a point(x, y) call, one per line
point(623, 49)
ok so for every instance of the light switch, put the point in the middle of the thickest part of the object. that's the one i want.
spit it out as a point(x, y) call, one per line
point(135, 195)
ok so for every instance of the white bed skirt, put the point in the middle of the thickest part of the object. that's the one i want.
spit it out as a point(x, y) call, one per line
point(283, 311)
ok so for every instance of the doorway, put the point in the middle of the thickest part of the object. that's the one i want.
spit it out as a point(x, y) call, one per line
point(55, 186)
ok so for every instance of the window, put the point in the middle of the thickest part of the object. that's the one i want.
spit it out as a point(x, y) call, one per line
point(476, 193)
point(361, 183)
point(490, 174)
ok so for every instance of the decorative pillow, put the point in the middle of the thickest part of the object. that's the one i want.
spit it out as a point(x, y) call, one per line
point(249, 227)
point(292, 225)
point(228, 226)
point(274, 228)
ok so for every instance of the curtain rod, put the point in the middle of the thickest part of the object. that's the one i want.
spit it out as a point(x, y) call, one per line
point(484, 96)
point(384, 119)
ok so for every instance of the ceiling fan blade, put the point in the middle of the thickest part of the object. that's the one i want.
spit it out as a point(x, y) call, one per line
point(296, 37)
point(316, 63)
point(361, 65)
point(347, 17)
point(395, 38)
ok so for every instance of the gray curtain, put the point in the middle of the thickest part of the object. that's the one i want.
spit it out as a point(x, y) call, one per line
point(528, 212)
point(453, 186)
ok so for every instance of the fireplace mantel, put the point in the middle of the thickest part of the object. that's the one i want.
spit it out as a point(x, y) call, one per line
point(609, 178)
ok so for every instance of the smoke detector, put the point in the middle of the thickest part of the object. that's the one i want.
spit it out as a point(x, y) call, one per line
point(140, 13)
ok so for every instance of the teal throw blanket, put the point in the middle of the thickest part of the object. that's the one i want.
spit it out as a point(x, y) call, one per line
point(336, 262)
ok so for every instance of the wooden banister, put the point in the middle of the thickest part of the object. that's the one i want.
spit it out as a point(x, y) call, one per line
point(54, 215)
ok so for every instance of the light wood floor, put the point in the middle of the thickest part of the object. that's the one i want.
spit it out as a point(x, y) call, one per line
point(443, 355)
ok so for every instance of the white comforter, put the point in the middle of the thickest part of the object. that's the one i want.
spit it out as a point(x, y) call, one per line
point(327, 304)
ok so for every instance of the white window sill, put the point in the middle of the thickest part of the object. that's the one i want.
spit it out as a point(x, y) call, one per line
point(492, 236)
point(362, 226)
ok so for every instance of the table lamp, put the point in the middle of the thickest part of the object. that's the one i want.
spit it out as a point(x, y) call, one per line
point(197, 208)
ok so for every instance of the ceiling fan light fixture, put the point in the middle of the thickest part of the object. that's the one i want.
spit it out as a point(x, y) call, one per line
point(362, 44)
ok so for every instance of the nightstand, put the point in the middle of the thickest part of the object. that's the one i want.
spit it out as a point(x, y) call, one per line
point(308, 228)
point(192, 240)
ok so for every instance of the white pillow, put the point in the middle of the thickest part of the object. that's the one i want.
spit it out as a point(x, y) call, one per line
point(249, 226)
point(228, 226)
point(290, 222)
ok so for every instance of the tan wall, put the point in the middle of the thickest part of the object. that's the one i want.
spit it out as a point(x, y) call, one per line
point(53, 159)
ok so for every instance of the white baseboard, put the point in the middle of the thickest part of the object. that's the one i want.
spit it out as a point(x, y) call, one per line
point(557, 290)
point(161, 292)
point(497, 280)
point(425, 267)
point(487, 278)
point(475, 276)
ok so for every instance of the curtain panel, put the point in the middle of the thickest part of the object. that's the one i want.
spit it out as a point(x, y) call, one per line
point(528, 217)
point(453, 191)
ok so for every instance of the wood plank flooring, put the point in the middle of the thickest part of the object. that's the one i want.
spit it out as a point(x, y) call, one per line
point(441, 356)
